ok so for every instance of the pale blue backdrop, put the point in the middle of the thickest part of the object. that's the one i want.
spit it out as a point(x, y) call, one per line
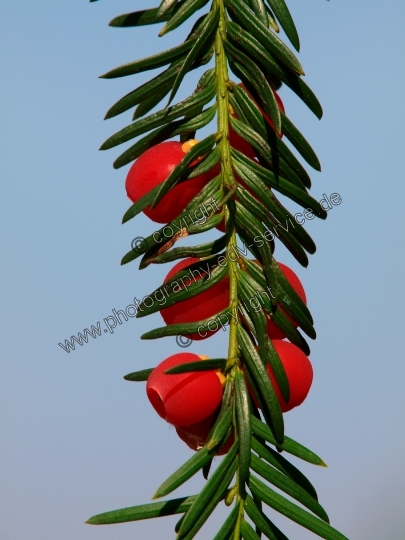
point(76, 438)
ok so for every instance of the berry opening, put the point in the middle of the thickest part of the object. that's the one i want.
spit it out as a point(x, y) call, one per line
point(157, 402)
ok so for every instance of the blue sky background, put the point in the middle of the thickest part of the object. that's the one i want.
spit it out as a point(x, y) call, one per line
point(78, 439)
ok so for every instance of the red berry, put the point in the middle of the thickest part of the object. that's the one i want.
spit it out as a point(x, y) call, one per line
point(152, 168)
point(203, 306)
point(196, 436)
point(273, 330)
point(299, 373)
point(187, 398)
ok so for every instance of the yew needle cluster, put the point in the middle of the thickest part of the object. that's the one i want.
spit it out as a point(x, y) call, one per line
point(232, 405)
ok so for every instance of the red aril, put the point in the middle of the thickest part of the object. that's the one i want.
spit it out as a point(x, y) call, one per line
point(299, 373)
point(187, 398)
point(152, 168)
point(203, 306)
point(196, 435)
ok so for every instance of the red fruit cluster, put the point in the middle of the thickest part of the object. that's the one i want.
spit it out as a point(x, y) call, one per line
point(296, 364)
point(151, 169)
point(189, 401)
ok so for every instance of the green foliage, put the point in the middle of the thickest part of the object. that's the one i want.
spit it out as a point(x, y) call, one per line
point(207, 365)
point(144, 511)
point(240, 36)
point(139, 376)
point(292, 511)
